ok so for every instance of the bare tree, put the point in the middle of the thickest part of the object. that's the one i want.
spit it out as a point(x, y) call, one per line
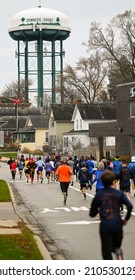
point(85, 81)
point(116, 41)
point(11, 90)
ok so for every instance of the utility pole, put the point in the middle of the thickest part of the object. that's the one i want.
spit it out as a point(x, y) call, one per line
point(16, 102)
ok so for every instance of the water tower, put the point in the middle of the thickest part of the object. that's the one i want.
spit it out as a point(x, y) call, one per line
point(40, 33)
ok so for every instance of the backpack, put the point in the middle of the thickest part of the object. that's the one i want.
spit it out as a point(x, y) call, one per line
point(84, 175)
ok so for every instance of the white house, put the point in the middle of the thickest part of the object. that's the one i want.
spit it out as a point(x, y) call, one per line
point(83, 116)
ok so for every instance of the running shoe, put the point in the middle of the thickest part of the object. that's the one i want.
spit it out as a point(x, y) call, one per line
point(119, 254)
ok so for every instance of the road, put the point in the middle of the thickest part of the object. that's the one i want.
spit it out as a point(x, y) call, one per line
point(69, 227)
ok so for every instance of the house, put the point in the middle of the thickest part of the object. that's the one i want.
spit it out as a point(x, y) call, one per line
point(34, 135)
point(32, 127)
point(84, 116)
point(8, 127)
point(60, 116)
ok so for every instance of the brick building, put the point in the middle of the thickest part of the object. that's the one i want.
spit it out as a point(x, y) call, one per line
point(123, 128)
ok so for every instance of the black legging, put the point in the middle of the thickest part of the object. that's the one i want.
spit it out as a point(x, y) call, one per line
point(64, 187)
point(110, 242)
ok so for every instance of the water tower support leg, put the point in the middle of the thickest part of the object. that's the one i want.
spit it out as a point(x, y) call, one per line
point(40, 71)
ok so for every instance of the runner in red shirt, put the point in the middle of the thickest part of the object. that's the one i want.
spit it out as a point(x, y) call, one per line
point(13, 167)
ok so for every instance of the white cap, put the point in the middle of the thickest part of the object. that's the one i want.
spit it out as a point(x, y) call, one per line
point(133, 159)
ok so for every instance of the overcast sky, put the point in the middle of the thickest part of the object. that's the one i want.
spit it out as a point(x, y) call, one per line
point(80, 15)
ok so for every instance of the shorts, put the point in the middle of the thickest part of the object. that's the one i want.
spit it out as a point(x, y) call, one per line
point(83, 185)
point(48, 173)
point(64, 186)
point(27, 171)
point(53, 169)
point(20, 170)
point(40, 168)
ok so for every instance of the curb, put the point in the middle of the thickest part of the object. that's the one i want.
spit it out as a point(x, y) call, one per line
point(41, 247)
point(43, 250)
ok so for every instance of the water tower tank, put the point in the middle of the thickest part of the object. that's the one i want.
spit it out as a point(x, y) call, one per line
point(46, 27)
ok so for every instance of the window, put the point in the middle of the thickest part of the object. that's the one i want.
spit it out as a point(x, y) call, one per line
point(132, 109)
point(27, 137)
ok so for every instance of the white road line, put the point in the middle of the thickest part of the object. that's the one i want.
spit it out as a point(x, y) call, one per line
point(133, 213)
point(80, 191)
point(79, 223)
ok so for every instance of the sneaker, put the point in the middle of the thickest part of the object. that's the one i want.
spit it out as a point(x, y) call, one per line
point(119, 254)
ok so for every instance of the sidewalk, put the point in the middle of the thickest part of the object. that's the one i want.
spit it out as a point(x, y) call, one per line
point(9, 218)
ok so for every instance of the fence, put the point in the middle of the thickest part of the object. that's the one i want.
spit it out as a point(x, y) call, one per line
point(109, 151)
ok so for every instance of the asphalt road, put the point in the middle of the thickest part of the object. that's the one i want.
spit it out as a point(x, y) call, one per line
point(70, 227)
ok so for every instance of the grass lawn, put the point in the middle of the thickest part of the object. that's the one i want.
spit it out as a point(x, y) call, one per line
point(4, 192)
point(17, 246)
point(9, 154)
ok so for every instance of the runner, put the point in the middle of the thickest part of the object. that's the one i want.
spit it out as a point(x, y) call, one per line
point(52, 160)
point(26, 169)
point(84, 177)
point(31, 167)
point(48, 169)
point(40, 164)
point(70, 162)
point(20, 166)
point(9, 163)
point(97, 179)
point(125, 176)
point(117, 169)
point(131, 166)
point(76, 167)
point(64, 173)
point(13, 167)
point(107, 203)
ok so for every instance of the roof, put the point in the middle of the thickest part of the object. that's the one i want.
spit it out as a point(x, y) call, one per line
point(10, 122)
point(97, 111)
point(62, 111)
point(2, 123)
point(40, 121)
point(10, 111)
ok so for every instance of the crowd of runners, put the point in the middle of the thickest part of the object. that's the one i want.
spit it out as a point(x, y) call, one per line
point(85, 170)
point(112, 180)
